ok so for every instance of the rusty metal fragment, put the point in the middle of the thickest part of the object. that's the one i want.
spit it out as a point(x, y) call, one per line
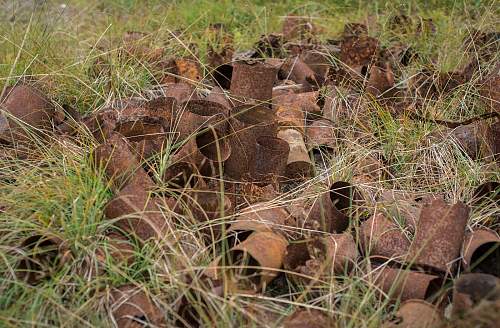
point(469, 138)
point(181, 175)
point(131, 307)
point(358, 51)
point(400, 284)
point(117, 250)
point(255, 261)
point(147, 148)
point(247, 123)
point(269, 45)
point(416, 314)
point(259, 217)
point(267, 249)
point(306, 102)
point(162, 108)
point(323, 216)
point(102, 124)
point(481, 252)
point(297, 27)
point(206, 205)
point(320, 258)
point(344, 196)
point(380, 81)
point(23, 107)
point(136, 212)
point(120, 164)
point(321, 133)
point(253, 80)
point(196, 114)
point(205, 151)
point(138, 129)
point(299, 163)
point(492, 141)
point(271, 156)
point(244, 193)
point(319, 61)
point(439, 235)
point(472, 288)
point(305, 318)
point(188, 70)
point(222, 75)
point(291, 117)
point(181, 92)
point(405, 205)
point(213, 145)
point(217, 95)
point(331, 211)
point(43, 256)
point(296, 70)
point(380, 236)
point(219, 57)
point(490, 89)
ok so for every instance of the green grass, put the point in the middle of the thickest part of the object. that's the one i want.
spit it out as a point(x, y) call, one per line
point(59, 192)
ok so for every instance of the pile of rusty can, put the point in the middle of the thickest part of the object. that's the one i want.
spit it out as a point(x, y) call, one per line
point(232, 142)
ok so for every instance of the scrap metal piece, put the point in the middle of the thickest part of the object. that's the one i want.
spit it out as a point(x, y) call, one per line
point(321, 133)
point(304, 318)
point(331, 211)
point(259, 217)
point(131, 307)
point(481, 252)
point(45, 254)
point(197, 114)
point(137, 213)
point(416, 313)
point(120, 164)
point(320, 258)
point(379, 236)
point(471, 288)
point(439, 235)
point(247, 123)
point(23, 107)
point(405, 285)
point(291, 117)
point(297, 27)
point(271, 156)
point(299, 163)
point(253, 80)
point(255, 261)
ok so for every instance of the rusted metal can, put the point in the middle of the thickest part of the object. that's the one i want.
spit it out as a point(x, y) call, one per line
point(299, 163)
point(253, 80)
point(247, 123)
point(271, 156)
point(439, 235)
